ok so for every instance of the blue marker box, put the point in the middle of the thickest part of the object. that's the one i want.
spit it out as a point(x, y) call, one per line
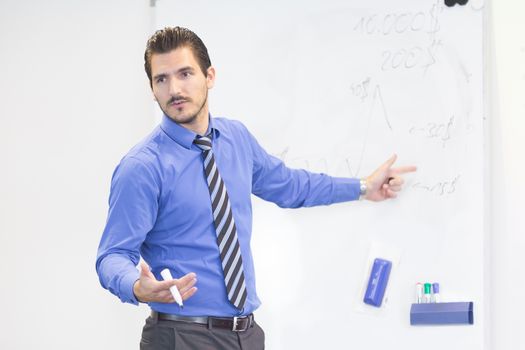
point(442, 313)
point(377, 282)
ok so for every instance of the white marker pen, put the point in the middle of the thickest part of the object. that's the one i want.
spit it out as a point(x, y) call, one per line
point(419, 293)
point(166, 275)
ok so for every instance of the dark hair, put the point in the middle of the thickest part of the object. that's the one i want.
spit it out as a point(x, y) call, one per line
point(171, 38)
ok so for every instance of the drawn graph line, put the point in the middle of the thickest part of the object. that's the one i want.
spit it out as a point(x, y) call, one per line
point(377, 97)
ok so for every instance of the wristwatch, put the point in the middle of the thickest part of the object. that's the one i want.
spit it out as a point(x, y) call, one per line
point(362, 188)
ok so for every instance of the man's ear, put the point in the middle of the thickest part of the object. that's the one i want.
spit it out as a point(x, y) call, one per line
point(210, 78)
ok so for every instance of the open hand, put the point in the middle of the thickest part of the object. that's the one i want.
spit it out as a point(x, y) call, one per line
point(148, 289)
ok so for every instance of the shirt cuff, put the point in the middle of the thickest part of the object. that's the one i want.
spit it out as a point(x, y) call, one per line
point(345, 189)
point(126, 288)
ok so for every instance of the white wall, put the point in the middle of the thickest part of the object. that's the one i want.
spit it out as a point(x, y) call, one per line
point(74, 98)
point(507, 87)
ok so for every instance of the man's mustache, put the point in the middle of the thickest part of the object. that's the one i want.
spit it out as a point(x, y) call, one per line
point(176, 99)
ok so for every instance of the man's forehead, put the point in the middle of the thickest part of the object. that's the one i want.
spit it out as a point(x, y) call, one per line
point(179, 57)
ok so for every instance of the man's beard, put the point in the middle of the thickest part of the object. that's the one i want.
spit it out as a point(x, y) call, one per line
point(181, 119)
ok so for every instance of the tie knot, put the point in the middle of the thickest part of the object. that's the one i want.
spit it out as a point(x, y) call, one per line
point(203, 142)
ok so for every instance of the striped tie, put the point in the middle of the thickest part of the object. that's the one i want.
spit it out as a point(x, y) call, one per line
point(225, 229)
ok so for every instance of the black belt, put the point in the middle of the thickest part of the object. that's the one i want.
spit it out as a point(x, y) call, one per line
point(236, 324)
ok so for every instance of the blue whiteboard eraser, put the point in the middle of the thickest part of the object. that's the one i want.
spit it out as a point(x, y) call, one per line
point(377, 282)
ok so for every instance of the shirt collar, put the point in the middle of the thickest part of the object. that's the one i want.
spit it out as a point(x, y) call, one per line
point(183, 136)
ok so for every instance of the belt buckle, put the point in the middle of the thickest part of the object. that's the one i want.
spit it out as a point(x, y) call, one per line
point(236, 323)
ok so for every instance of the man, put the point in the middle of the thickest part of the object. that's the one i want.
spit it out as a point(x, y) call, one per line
point(181, 200)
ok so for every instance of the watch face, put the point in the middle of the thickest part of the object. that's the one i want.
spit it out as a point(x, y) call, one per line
point(362, 187)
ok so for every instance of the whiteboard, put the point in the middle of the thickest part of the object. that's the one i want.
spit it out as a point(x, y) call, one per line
point(337, 87)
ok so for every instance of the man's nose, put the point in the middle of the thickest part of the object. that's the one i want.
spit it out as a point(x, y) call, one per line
point(174, 87)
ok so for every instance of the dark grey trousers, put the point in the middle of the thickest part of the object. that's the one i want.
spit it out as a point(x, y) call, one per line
point(164, 335)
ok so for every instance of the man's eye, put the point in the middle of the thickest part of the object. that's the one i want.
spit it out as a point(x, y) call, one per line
point(161, 80)
point(186, 74)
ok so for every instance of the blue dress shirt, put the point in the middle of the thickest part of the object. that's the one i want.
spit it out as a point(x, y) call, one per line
point(160, 209)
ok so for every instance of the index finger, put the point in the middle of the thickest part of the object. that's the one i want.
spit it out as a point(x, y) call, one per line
point(188, 278)
point(404, 169)
point(177, 282)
